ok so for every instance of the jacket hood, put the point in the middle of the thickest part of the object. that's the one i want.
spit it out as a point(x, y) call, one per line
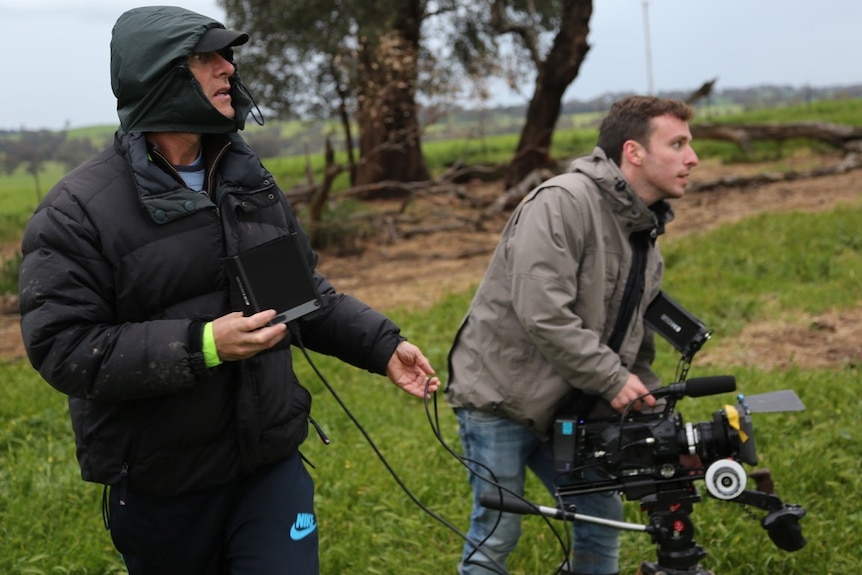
point(607, 175)
point(155, 90)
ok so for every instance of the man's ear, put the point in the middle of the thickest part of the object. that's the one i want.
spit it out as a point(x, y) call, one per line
point(633, 152)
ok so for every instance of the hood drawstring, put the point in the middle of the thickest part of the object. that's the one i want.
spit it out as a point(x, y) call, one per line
point(258, 117)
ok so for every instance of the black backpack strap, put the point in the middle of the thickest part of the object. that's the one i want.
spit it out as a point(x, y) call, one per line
point(582, 404)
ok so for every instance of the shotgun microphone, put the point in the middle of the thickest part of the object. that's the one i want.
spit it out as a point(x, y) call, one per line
point(697, 387)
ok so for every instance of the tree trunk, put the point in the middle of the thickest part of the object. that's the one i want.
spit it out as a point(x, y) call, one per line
point(553, 77)
point(389, 141)
point(344, 115)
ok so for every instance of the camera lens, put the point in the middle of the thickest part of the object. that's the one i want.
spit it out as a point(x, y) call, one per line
point(717, 439)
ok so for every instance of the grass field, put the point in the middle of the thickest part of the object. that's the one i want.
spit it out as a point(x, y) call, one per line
point(50, 520)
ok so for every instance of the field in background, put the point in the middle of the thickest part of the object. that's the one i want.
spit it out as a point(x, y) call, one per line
point(465, 142)
point(762, 267)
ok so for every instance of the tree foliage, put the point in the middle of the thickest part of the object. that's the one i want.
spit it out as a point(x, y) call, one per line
point(351, 59)
point(368, 63)
point(304, 57)
point(542, 39)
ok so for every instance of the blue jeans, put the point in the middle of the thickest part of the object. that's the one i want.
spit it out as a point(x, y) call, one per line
point(508, 449)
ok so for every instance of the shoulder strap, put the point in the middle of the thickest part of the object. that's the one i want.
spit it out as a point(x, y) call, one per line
point(582, 404)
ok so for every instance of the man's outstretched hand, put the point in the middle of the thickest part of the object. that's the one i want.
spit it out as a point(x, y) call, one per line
point(410, 370)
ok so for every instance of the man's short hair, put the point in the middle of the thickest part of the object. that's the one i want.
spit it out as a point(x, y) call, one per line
point(630, 119)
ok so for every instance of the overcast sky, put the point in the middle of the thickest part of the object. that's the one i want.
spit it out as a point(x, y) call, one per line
point(56, 68)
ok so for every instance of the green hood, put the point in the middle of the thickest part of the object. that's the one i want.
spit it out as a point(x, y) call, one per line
point(155, 90)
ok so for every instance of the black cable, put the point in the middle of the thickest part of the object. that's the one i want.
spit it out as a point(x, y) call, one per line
point(435, 427)
point(294, 330)
point(465, 461)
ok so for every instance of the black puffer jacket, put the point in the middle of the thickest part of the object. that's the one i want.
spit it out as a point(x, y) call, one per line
point(121, 269)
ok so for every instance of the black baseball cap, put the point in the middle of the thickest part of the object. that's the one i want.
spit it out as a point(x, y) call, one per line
point(216, 39)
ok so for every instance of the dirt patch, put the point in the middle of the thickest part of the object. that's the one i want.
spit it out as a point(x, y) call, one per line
point(826, 340)
point(416, 271)
point(11, 346)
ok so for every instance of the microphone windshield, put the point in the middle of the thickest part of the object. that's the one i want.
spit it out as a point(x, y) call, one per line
point(714, 385)
point(698, 387)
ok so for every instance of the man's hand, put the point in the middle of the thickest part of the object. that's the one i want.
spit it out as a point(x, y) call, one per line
point(238, 337)
point(633, 389)
point(410, 370)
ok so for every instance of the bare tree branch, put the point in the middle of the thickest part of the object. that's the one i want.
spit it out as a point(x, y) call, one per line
point(502, 25)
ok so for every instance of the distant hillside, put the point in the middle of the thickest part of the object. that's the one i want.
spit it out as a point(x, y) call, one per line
point(765, 96)
point(296, 137)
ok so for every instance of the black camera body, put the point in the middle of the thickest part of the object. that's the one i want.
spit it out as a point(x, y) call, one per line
point(651, 445)
point(656, 457)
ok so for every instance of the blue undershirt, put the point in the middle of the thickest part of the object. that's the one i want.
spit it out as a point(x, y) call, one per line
point(194, 174)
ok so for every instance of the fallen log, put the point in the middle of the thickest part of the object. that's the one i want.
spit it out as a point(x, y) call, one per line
point(836, 135)
point(850, 162)
point(510, 198)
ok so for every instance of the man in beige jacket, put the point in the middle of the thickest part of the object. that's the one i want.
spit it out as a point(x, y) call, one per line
point(558, 321)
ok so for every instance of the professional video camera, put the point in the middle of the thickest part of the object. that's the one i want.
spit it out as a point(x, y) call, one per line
point(644, 448)
point(656, 458)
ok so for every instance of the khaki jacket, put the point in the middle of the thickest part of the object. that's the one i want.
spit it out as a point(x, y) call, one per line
point(538, 326)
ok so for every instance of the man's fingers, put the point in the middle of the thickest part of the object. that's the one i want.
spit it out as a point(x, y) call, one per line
point(239, 337)
point(260, 319)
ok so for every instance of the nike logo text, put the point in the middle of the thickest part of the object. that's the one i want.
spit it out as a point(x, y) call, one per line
point(303, 526)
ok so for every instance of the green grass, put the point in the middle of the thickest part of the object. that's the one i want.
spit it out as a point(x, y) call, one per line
point(838, 111)
point(845, 112)
point(49, 518)
point(809, 262)
point(762, 267)
point(19, 196)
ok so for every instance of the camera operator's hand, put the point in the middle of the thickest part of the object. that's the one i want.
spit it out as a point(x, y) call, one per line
point(238, 337)
point(631, 392)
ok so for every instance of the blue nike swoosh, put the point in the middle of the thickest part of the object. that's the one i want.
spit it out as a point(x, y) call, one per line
point(297, 533)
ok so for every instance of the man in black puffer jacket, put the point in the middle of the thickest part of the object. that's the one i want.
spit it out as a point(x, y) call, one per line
point(189, 411)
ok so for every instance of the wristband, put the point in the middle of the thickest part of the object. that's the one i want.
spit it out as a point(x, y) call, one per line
point(211, 357)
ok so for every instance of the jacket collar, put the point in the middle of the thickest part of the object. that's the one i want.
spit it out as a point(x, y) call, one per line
point(626, 204)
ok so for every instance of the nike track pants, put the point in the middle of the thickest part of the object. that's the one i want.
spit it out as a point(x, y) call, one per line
point(260, 525)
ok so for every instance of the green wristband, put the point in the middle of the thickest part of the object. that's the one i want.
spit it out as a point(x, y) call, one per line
point(209, 346)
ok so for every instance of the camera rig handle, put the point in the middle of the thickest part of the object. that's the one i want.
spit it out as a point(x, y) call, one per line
point(782, 522)
point(670, 526)
point(501, 501)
